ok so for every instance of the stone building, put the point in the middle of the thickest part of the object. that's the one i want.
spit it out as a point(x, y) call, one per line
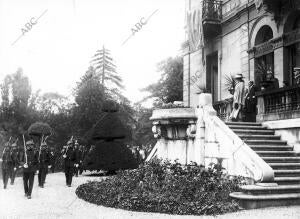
point(261, 40)
point(236, 36)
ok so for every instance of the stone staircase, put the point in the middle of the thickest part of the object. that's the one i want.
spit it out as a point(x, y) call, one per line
point(285, 189)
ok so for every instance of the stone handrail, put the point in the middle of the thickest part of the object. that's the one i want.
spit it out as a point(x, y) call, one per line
point(276, 104)
point(234, 148)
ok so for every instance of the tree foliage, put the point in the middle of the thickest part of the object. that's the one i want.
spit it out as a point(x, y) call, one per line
point(169, 88)
point(105, 68)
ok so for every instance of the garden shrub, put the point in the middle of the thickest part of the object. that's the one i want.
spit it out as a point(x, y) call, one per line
point(166, 188)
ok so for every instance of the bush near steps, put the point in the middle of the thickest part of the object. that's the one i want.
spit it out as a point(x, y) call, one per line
point(166, 188)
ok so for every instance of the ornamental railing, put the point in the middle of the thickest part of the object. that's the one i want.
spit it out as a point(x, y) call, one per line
point(212, 10)
point(282, 103)
point(223, 108)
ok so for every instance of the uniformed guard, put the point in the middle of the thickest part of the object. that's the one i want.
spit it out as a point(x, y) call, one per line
point(52, 159)
point(44, 164)
point(70, 161)
point(6, 160)
point(30, 163)
point(81, 158)
point(76, 149)
point(15, 162)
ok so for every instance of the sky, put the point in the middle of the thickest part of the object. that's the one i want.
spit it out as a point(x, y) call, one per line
point(55, 50)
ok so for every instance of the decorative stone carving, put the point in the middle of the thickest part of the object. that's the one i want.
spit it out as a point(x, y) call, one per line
point(195, 29)
point(191, 131)
point(156, 131)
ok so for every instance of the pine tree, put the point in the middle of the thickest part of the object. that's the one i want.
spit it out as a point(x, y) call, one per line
point(104, 66)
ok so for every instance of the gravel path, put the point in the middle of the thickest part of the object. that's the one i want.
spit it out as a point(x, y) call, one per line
point(58, 201)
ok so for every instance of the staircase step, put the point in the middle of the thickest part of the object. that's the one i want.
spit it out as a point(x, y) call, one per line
point(287, 173)
point(266, 200)
point(282, 159)
point(243, 123)
point(265, 142)
point(276, 153)
point(280, 189)
point(256, 132)
point(243, 127)
point(271, 148)
point(259, 137)
point(287, 180)
point(284, 166)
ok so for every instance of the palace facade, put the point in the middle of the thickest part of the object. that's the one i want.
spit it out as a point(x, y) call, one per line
point(251, 37)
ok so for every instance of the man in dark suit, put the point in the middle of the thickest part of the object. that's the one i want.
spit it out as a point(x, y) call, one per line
point(70, 161)
point(44, 162)
point(250, 102)
point(30, 164)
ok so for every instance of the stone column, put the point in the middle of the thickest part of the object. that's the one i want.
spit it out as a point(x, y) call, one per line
point(278, 65)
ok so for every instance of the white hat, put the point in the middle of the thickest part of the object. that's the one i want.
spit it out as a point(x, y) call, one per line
point(238, 76)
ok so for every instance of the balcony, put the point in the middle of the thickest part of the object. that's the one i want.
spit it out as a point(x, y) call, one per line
point(211, 17)
point(279, 104)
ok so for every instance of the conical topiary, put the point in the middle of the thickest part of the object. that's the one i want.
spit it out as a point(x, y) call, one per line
point(110, 156)
point(110, 152)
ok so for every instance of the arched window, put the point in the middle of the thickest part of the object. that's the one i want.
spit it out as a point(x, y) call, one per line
point(263, 35)
point(293, 50)
point(265, 63)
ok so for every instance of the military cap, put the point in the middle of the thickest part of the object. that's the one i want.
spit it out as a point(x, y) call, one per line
point(29, 142)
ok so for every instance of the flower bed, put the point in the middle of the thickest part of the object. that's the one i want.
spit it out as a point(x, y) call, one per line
point(166, 188)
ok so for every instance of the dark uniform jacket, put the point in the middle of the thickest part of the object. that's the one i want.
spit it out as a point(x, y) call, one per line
point(32, 160)
point(251, 100)
point(6, 159)
point(44, 159)
point(15, 157)
point(71, 156)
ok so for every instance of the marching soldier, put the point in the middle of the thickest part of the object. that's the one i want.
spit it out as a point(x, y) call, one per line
point(81, 158)
point(70, 161)
point(15, 163)
point(76, 149)
point(44, 163)
point(30, 162)
point(52, 159)
point(6, 164)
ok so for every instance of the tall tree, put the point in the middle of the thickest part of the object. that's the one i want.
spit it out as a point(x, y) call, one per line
point(169, 88)
point(89, 98)
point(104, 66)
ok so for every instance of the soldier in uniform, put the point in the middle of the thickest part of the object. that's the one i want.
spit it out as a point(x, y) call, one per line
point(76, 149)
point(44, 163)
point(15, 163)
point(6, 163)
point(81, 158)
point(52, 159)
point(70, 161)
point(30, 163)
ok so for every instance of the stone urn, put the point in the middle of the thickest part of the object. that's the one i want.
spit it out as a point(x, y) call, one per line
point(175, 131)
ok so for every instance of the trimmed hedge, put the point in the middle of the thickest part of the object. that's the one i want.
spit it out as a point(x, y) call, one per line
point(166, 188)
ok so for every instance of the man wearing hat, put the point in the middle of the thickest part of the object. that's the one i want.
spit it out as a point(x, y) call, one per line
point(44, 163)
point(70, 161)
point(30, 163)
point(6, 164)
point(238, 98)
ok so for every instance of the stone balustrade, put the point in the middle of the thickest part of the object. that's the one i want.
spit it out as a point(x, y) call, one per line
point(223, 108)
point(279, 104)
